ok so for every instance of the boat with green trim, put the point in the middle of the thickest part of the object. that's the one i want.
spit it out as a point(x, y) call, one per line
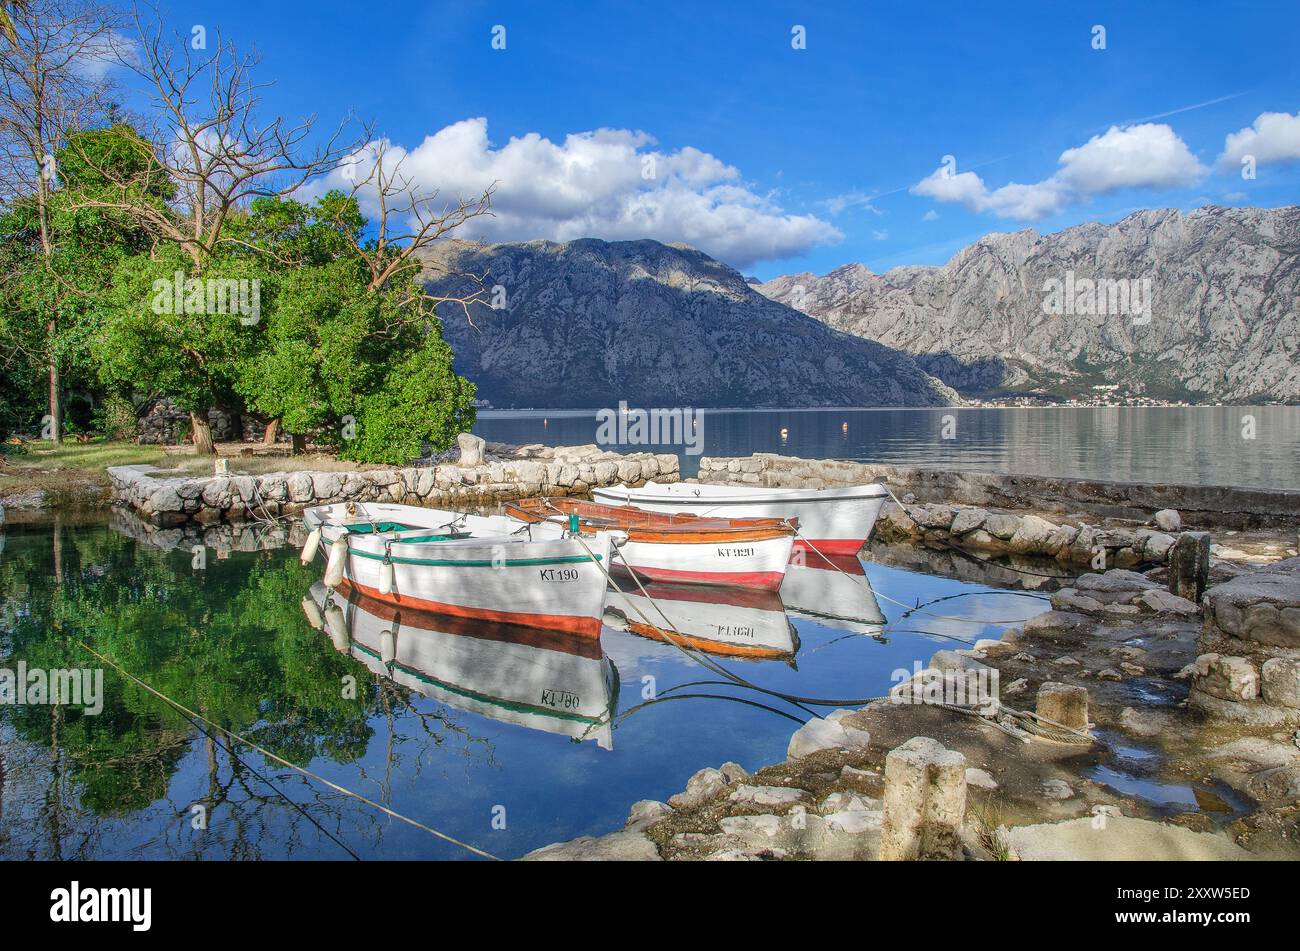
point(483, 567)
point(538, 679)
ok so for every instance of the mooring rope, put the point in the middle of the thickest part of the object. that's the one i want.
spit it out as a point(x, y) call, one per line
point(284, 762)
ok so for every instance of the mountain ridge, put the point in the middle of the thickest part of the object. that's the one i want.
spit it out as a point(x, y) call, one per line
point(1222, 325)
point(589, 323)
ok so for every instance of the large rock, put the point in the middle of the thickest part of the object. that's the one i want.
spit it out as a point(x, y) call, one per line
point(626, 846)
point(1168, 520)
point(1002, 526)
point(701, 787)
point(1119, 839)
point(472, 449)
point(824, 734)
point(1189, 565)
point(1280, 679)
point(1262, 606)
point(1228, 678)
point(1032, 534)
point(967, 520)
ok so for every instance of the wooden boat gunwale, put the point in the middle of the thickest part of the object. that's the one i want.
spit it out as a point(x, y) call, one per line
point(642, 525)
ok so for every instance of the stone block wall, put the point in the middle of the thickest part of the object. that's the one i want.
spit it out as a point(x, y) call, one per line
point(173, 500)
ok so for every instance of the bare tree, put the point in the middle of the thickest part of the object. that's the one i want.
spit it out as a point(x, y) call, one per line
point(408, 221)
point(51, 83)
point(209, 142)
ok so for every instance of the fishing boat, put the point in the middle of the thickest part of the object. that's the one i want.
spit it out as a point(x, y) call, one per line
point(729, 622)
point(835, 521)
point(484, 567)
point(835, 591)
point(538, 679)
point(678, 549)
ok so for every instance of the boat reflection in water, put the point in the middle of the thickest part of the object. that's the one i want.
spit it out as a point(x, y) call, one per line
point(731, 622)
point(834, 590)
point(543, 680)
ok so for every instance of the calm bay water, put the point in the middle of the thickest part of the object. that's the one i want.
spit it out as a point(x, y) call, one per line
point(1208, 445)
point(503, 740)
point(449, 743)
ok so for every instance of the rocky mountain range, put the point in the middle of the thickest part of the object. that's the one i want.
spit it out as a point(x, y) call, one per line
point(1202, 306)
point(589, 323)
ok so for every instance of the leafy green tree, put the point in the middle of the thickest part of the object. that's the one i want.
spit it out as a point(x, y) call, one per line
point(363, 368)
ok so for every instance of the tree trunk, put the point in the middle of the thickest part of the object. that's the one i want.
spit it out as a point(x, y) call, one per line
point(297, 444)
point(56, 403)
point(201, 432)
point(272, 432)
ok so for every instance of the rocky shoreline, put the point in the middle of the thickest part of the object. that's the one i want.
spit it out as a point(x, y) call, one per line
point(907, 777)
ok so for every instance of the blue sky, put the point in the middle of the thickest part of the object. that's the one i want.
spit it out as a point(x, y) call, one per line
point(778, 159)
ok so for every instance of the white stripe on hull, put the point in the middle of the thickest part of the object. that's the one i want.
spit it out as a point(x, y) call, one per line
point(548, 582)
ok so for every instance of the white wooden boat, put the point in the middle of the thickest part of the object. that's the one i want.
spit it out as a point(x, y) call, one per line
point(542, 680)
point(837, 521)
point(679, 549)
point(484, 567)
point(731, 622)
point(838, 594)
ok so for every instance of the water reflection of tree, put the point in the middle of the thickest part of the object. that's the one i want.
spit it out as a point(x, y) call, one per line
point(230, 643)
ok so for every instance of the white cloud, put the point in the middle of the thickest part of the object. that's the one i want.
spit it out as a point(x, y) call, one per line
point(851, 199)
point(607, 183)
point(102, 54)
point(930, 215)
point(1140, 156)
point(1272, 137)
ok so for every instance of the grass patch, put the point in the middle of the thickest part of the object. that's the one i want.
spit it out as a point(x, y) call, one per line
point(74, 473)
point(97, 454)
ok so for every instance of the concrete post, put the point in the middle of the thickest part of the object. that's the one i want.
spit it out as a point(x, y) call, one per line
point(924, 802)
point(1063, 704)
point(1189, 565)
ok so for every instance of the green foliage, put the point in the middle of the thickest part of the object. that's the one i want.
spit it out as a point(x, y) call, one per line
point(421, 400)
point(115, 418)
point(149, 341)
point(358, 367)
point(364, 370)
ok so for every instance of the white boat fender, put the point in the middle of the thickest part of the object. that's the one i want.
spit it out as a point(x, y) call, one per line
point(388, 646)
point(312, 610)
point(337, 562)
point(337, 626)
point(386, 572)
point(310, 546)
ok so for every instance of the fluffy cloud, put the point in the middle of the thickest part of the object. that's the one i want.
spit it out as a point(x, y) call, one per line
point(1138, 156)
point(608, 183)
point(1272, 137)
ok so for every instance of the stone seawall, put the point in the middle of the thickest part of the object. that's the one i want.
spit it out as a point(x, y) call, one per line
point(167, 499)
point(1204, 505)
